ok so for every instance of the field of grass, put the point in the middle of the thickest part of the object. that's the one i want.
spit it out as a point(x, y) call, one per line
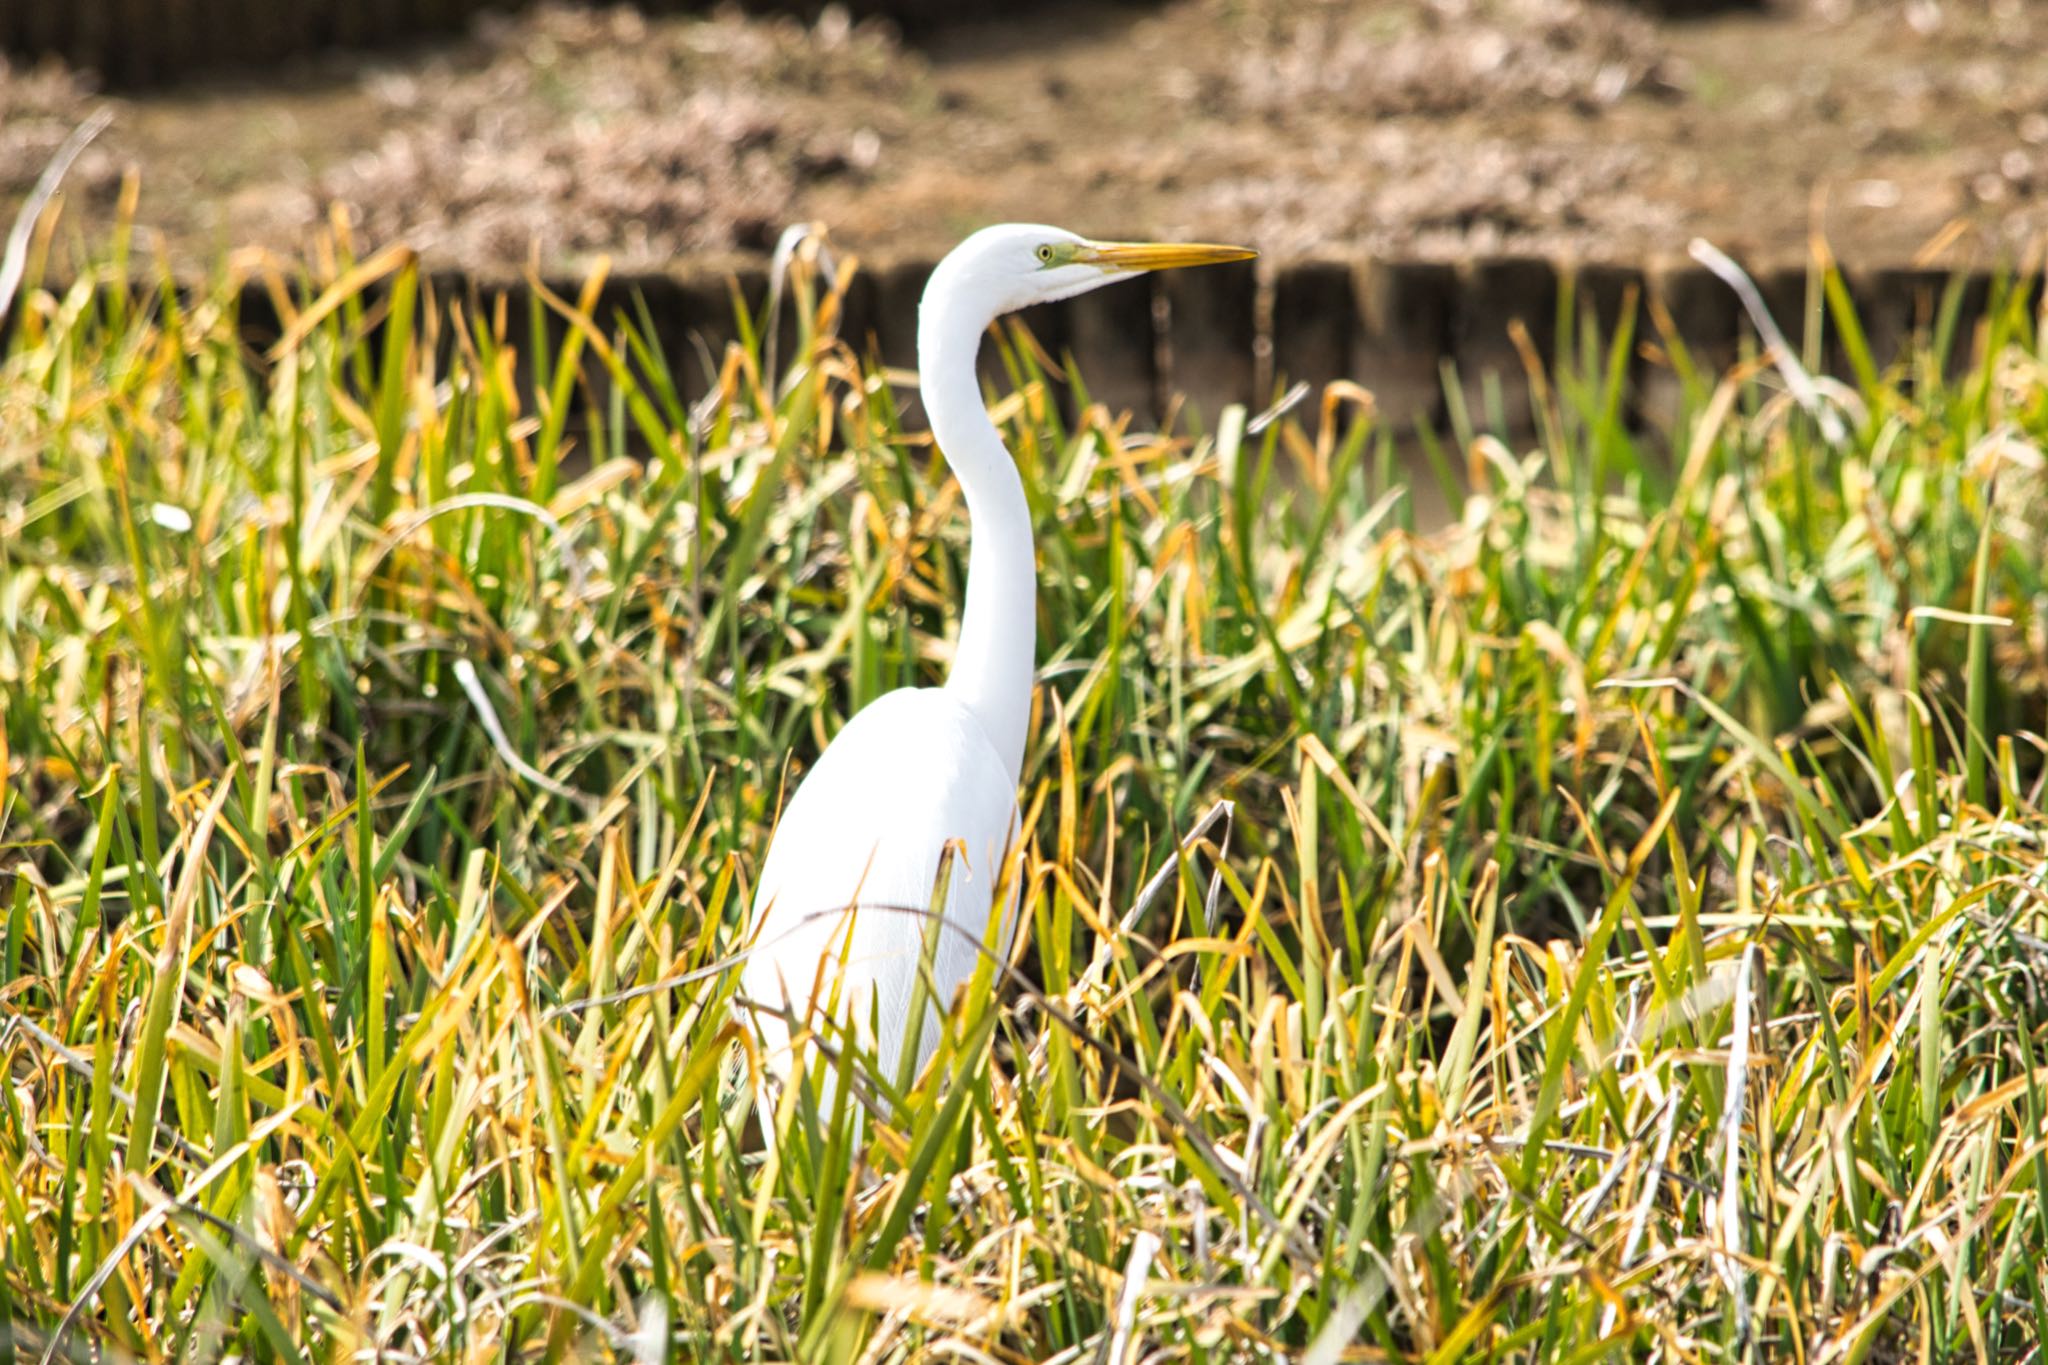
point(1626, 936)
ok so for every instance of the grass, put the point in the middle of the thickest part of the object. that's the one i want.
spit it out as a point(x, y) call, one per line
point(1626, 939)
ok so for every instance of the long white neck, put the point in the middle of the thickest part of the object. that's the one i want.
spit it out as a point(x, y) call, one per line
point(992, 667)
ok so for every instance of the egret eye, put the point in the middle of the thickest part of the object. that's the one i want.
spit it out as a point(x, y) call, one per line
point(1045, 254)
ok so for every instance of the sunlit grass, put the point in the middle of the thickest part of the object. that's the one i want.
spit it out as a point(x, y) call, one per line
point(1627, 939)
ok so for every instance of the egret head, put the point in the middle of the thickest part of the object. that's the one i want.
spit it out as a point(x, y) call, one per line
point(1015, 265)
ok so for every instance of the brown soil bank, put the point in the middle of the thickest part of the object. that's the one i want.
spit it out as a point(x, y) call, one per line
point(1446, 129)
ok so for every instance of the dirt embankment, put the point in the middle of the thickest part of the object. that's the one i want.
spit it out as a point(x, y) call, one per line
point(1432, 128)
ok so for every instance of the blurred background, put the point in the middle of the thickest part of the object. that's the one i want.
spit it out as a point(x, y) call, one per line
point(1906, 132)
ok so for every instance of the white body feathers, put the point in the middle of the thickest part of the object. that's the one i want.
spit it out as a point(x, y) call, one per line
point(908, 776)
point(921, 769)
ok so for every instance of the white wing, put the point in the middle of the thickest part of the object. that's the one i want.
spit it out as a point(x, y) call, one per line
point(861, 840)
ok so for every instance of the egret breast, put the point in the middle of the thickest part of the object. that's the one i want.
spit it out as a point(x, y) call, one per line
point(855, 861)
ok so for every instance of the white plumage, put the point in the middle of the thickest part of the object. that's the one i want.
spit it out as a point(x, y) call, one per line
point(860, 842)
point(907, 775)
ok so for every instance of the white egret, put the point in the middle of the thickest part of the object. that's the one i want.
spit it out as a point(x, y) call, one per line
point(922, 770)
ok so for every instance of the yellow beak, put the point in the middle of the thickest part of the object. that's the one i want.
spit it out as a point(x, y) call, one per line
point(1159, 255)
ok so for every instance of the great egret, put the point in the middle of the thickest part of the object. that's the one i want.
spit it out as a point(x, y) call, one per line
point(925, 769)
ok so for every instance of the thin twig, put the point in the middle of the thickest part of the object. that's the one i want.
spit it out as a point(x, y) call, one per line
point(1117, 1345)
point(1222, 813)
point(1797, 379)
point(1728, 1207)
point(565, 546)
point(160, 1210)
point(80, 1066)
point(1640, 1222)
point(14, 260)
point(241, 1238)
point(465, 674)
